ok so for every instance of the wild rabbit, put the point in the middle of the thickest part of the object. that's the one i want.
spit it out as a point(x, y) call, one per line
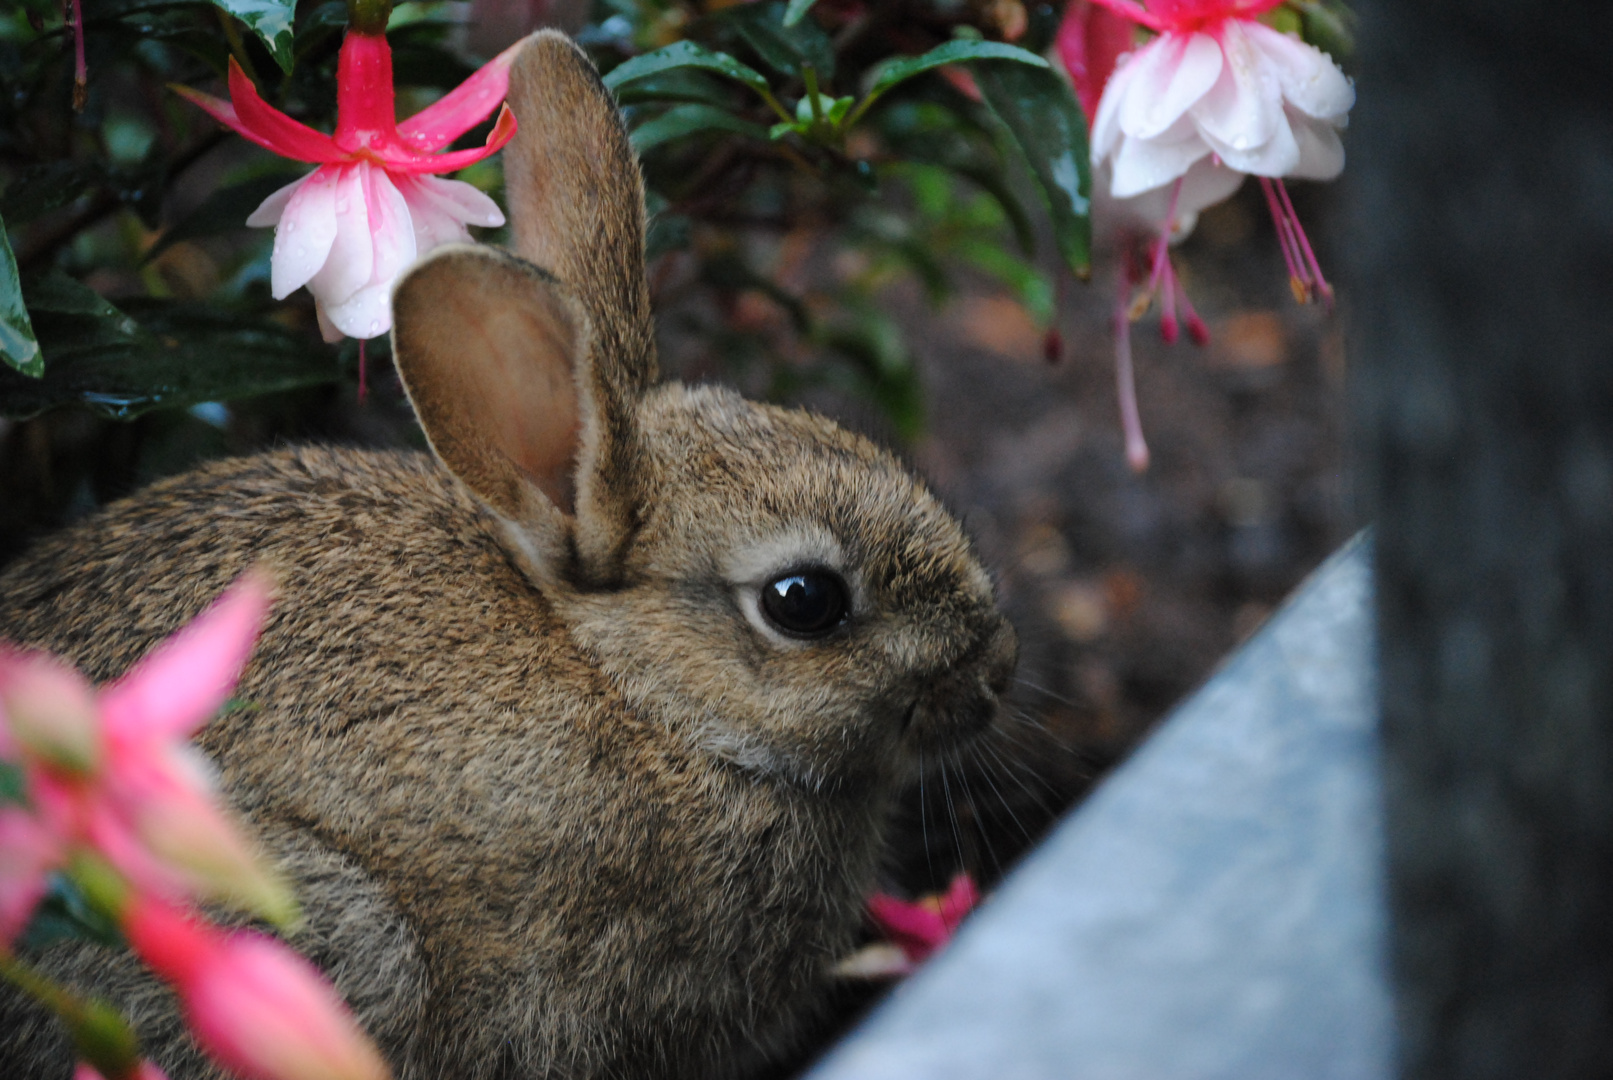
point(576, 740)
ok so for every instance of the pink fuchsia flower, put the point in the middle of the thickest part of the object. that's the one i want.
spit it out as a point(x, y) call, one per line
point(1216, 81)
point(349, 228)
point(29, 852)
point(134, 791)
point(253, 1004)
point(919, 928)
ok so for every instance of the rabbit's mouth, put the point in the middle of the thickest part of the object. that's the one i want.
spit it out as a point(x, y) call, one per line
point(963, 703)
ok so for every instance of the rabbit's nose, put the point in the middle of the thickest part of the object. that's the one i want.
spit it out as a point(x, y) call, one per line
point(1001, 657)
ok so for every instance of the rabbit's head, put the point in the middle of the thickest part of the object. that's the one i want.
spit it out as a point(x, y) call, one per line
point(781, 592)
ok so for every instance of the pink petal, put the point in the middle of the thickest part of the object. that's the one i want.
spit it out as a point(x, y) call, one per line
point(351, 262)
point(1090, 40)
point(503, 131)
point(365, 110)
point(178, 686)
point(1310, 81)
point(1243, 110)
point(365, 314)
point(463, 107)
point(267, 1013)
point(305, 232)
point(913, 925)
point(1176, 72)
point(272, 129)
point(270, 210)
point(28, 853)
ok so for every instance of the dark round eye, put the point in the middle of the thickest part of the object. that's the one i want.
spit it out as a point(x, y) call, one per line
point(805, 603)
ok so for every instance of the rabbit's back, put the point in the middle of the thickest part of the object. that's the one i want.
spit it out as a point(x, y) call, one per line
point(489, 843)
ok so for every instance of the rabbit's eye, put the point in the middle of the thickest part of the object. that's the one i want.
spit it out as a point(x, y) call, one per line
point(805, 603)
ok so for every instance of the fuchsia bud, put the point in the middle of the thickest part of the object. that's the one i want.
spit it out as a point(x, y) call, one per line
point(256, 1006)
point(49, 710)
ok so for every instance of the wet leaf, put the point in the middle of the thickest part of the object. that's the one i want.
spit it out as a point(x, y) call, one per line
point(65, 915)
point(784, 46)
point(167, 356)
point(18, 345)
point(953, 52)
point(682, 55)
point(43, 188)
point(685, 85)
point(797, 11)
point(682, 120)
point(1046, 123)
point(271, 21)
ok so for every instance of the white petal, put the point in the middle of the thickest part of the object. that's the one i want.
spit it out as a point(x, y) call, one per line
point(1244, 109)
point(270, 209)
point(1149, 163)
point(1174, 72)
point(1277, 156)
point(365, 314)
point(1310, 81)
point(305, 234)
point(1206, 184)
point(1106, 125)
point(1321, 154)
point(466, 202)
point(327, 329)
point(352, 256)
point(391, 227)
point(432, 225)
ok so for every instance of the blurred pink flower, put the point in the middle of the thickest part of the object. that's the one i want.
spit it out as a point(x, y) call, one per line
point(920, 927)
point(144, 1071)
point(252, 1003)
point(349, 228)
point(139, 796)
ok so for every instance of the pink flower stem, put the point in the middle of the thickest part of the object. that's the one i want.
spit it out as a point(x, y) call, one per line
point(1169, 328)
point(1304, 243)
point(1196, 329)
point(81, 76)
point(362, 364)
point(1125, 378)
point(1162, 245)
point(1298, 276)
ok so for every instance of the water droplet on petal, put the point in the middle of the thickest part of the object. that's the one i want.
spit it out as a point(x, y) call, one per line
point(375, 327)
point(341, 206)
point(291, 226)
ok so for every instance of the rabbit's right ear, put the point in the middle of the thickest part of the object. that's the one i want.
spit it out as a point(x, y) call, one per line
point(488, 348)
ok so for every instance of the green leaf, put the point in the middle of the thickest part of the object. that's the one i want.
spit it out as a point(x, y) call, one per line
point(65, 915)
point(271, 21)
point(1046, 123)
point(785, 47)
point(223, 211)
point(797, 11)
point(682, 120)
point(685, 85)
point(681, 55)
point(18, 345)
point(176, 356)
point(43, 188)
point(953, 52)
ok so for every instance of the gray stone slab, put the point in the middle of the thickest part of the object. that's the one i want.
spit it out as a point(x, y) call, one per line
point(1214, 910)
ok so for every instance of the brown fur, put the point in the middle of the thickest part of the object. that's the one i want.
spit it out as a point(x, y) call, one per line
point(556, 802)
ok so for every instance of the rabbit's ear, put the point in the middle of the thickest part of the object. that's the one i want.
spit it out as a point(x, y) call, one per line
point(488, 347)
point(576, 203)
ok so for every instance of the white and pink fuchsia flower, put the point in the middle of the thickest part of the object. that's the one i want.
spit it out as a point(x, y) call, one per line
point(349, 228)
point(1176, 125)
